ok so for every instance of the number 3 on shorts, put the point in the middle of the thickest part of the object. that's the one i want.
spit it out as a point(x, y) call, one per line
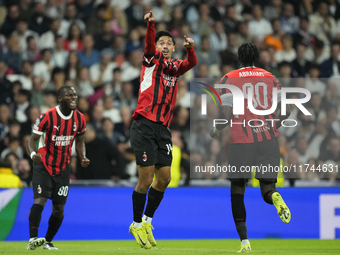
point(63, 191)
point(169, 146)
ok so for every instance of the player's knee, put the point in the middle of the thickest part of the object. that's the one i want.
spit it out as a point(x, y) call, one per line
point(40, 201)
point(145, 182)
point(165, 181)
point(58, 211)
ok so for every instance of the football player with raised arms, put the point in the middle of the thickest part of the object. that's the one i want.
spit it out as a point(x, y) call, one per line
point(254, 144)
point(150, 133)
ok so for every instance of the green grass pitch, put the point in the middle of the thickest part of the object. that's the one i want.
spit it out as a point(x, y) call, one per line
point(185, 247)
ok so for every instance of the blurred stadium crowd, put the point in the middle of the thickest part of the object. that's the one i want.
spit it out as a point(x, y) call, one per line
point(97, 47)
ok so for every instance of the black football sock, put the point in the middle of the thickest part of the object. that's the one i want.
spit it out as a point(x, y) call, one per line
point(54, 224)
point(239, 214)
point(267, 197)
point(34, 219)
point(154, 199)
point(138, 201)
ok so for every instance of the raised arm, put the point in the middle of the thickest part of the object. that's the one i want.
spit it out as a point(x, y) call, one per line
point(150, 44)
point(191, 60)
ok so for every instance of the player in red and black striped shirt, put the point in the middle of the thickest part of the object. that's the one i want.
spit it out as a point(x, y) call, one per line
point(150, 135)
point(55, 130)
point(252, 137)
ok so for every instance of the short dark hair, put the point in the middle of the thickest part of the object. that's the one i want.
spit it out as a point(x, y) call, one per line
point(283, 63)
point(313, 66)
point(25, 93)
point(248, 54)
point(164, 33)
point(62, 90)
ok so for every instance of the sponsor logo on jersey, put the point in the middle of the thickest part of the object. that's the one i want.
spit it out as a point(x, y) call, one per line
point(62, 140)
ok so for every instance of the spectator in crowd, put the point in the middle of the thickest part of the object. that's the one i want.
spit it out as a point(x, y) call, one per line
point(23, 33)
point(11, 20)
point(259, 27)
point(131, 69)
point(207, 55)
point(32, 52)
point(266, 63)
point(300, 65)
point(47, 39)
point(39, 22)
point(50, 101)
point(101, 73)
point(44, 67)
point(84, 82)
point(229, 55)
point(102, 154)
point(74, 38)
point(275, 39)
point(5, 85)
point(88, 56)
point(115, 87)
point(69, 19)
point(13, 147)
point(59, 54)
point(288, 52)
point(72, 67)
point(313, 84)
point(119, 24)
point(109, 133)
point(134, 14)
point(105, 38)
point(7, 178)
point(203, 26)
point(26, 75)
point(54, 9)
point(183, 94)
point(110, 111)
point(331, 67)
point(11, 54)
point(127, 98)
point(21, 106)
point(84, 9)
point(273, 9)
point(37, 97)
point(177, 21)
point(25, 172)
point(95, 23)
point(97, 117)
point(243, 34)
point(231, 21)
point(124, 126)
point(4, 121)
point(290, 22)
point(57, 79)
point(323, 25)
point(134, 42)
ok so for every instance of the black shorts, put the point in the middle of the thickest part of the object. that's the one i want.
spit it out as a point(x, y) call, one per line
point(52, 187)
point(263, 157)
point(151, 142)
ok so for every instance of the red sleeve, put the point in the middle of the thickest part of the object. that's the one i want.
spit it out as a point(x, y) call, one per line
point(150, 44)
point(41, 124)
point(188, 63)
point(82, 126)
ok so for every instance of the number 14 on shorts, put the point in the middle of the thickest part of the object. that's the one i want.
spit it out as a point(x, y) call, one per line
point(169, 147)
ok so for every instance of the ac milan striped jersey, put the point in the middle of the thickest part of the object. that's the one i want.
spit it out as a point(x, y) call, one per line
point(159, 79)
point(57, 135)
point(252, 128)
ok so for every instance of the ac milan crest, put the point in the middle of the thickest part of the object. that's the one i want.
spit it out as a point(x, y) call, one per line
point(39, 190)
point(74, 127)
point(145, 157)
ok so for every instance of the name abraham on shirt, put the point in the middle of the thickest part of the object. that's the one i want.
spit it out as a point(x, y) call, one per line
point(62, 140)
point(250, 73)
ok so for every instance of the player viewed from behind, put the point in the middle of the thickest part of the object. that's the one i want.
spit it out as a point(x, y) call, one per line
point(150, 135)
point(55, 130)
point(250, 145)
